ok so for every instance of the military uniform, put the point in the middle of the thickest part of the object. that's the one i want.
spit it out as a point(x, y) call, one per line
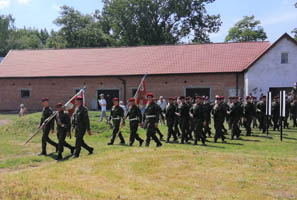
point(63, 127)
point(249, 113)
point(184, 110)
point(199, 117)
point(235, 115)
point(117, 116)
point(177, 121)
point(47, 112)
point(275, 112)
point(151, 117)
point(135, 117)
point(157, 129)
point(219, 112)
point(294, 112)
point(261, 110)
point(287, 114)
point(171, 118)
point(207, 107)
point(81, 124)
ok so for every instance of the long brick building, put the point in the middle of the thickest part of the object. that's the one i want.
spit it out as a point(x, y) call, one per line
point(206, 69)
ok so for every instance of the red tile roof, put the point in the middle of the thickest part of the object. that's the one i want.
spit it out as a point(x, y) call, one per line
point(178, 59)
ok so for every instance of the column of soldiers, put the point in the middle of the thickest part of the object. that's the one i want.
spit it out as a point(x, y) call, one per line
point(186, 118)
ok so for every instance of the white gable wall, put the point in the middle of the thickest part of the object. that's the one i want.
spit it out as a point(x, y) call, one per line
point(268, 71)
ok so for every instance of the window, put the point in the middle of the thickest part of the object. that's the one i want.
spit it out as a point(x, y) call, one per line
point(25, 93)
point(285, 58)
point(192, 92)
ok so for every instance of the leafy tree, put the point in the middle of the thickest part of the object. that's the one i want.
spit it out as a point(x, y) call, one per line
point(78, 30)
point(295, 30)
point(152, 22)
point(6, 24)
point(247, 29)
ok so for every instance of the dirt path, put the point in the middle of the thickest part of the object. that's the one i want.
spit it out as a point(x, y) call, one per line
point(3, 122)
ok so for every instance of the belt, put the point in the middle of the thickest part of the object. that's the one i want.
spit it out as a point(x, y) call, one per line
point(116, 118)
point(134, 119)
point(150, 116)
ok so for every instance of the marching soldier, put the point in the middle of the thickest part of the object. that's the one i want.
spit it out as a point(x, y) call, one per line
point(275, 112)
point(207, 107)
point(161, 114)
point(288, 111)
point(199, 119)
point(219, 112)
point(170, 119)
point(261, 110)
point(151, 116)
point(235, 115)
point(47, 112)
point(177, 119)
point(135, 118)
point(63, 130)
point(81, 124)
point(183, 113)
point(294, 111)
point(117, 117)
point(255, 117)
point(249, 113)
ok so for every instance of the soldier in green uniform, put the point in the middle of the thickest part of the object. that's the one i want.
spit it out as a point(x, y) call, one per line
point(81, 124)
point(184, 114)
point(177, 119)
point(287, 113)
point(207, 107)
point(135, 118)
point(170, 119)
point(261, 110)
point(219, 112)
point(117, 117)
point(63, 129)
point(151, 117)
point(249, 113)
point(190, 103)
point(294, 111)
point(158, 131)
point(255, 117)
point(235, 115)
point(47, 112)
point(275, 112)
point(199, 119)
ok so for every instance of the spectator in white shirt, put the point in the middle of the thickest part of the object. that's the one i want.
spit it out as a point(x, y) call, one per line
point(103, 104)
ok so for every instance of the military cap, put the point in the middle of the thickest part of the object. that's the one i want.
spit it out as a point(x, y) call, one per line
point(171, 98)
point(276, 97)
point(150, 95)
point(218, 97)
point(182, 97)
point(59, 105)
point(199, 97)
point(254, 97)
point(188, 98)
point(262, 97)
point(222, 97)
point(132, 99)
point(44, 99)
point(248, 97)
point(206, 97)
point(115, 99)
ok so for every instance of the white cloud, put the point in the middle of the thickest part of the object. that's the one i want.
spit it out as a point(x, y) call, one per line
point(4, 4)
point(24, 1)
point(56, 7)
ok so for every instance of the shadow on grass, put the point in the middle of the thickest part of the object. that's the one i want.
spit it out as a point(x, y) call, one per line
point(65, 158)
point(248, 140)
point(263, 136)
point(290, 138)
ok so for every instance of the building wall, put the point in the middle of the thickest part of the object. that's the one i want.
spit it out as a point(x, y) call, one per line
point(268, 72)
point(61, 89)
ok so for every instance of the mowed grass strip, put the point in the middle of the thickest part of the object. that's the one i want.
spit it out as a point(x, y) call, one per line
point(257, 167)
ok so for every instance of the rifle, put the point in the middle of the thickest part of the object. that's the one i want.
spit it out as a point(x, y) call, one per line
point(41, 127)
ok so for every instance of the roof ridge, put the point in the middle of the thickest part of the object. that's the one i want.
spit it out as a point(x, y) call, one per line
point(141, 46)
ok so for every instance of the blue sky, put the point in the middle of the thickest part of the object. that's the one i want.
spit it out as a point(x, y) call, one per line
point(277, 16)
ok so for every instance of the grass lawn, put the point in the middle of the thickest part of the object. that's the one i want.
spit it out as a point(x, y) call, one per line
point(256, 167)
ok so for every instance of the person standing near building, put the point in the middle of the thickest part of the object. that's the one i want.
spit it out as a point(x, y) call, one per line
point(49, 127)
point(151, 117)
point(135, 118)
point(162, 103)
point(81, 124)
point(117, 117)
point(63, 129)
point(103, 104)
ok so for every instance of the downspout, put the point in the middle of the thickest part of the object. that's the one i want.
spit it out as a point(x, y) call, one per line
point(237, 84)
point(125, 88)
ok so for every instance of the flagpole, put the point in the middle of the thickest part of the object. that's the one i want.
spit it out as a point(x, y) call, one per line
point(140, 85)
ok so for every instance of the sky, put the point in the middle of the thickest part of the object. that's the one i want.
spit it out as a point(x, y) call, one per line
point(276, 16)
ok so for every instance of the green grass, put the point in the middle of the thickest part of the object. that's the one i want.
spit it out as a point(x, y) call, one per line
point(257, 167)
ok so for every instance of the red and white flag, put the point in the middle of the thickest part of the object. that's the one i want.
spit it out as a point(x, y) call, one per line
point(70, 106)
point(141, 94)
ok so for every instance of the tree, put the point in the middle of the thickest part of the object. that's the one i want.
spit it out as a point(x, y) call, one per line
point(153, 22)
point(247, 29)
point(295, 30)
point(6, 24)
point(78, 30)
